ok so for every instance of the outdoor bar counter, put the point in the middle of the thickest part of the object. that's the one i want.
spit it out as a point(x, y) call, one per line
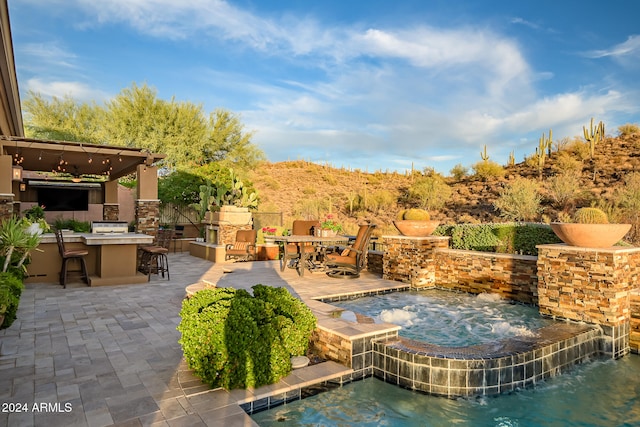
point(112, 258)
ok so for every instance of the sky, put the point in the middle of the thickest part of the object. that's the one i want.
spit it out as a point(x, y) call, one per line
point(373, 85)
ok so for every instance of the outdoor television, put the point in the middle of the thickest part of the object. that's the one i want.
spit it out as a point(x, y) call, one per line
point(63, 199)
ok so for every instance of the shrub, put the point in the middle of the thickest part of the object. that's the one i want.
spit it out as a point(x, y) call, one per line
point(590, 216)
point(628, 129)
point(564, 189)
point(486, 170)
point(11, 287)
point(233, 340)
point(72, 224)
point(520, 200)
point(502, 238)
point(431, 192)
point(458, 172)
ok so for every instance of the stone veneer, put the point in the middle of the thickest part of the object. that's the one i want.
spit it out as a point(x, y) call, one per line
point(110, 212)
point(147, 216)
point(6, 206)
point(581, 284)
point(412, 259)
point(634, 323)
point(590, 285)
point(514, 277)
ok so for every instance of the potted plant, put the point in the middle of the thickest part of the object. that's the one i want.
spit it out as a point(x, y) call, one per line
point(330, 227)
point(415, 223)
point(590, 229)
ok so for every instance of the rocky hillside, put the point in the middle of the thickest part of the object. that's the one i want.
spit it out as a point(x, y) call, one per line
point(302, 189)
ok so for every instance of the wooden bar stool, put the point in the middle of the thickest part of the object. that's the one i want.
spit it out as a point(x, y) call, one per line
point(68, 255)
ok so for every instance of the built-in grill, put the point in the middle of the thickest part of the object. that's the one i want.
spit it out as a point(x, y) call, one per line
point(104, 227)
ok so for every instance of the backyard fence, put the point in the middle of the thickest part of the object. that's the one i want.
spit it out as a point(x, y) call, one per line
point(173, 214)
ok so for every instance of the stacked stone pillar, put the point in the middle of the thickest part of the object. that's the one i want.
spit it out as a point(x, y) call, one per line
point(590, 285)
point(147, 207)
point(110, 208)
point(411, 259)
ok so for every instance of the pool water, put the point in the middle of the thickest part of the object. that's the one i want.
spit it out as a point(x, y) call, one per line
point(448, 318)
point(600, 393)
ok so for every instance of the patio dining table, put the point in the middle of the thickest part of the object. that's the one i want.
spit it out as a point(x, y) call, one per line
point(305, 261)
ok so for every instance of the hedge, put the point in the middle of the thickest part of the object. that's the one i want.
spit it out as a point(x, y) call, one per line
point(12, 289)
point(232, 339)
point(511, 238)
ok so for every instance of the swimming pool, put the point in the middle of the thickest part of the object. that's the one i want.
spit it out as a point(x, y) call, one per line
point(448, 318)
point(588, 396)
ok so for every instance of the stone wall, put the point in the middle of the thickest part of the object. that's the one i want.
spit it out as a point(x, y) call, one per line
point(514, 277)
point(590, 285)
point(375, 261)
point(110, 212)
point(147, 216)
point(634, 327)
point(6, 206)
point(411, 259)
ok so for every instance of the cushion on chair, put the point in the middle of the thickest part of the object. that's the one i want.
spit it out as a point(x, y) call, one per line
point(71, 253)
point(240, 245)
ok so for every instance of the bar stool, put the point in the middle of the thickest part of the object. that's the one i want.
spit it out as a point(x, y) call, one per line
point(153, 259)
point(68, 255)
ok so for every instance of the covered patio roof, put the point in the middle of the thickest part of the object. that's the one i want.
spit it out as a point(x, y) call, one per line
point(76, 158)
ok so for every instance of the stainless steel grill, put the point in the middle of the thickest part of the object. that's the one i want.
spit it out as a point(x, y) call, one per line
point(104, 227)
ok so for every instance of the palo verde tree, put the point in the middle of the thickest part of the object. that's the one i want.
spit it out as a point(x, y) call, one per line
point(136, 117)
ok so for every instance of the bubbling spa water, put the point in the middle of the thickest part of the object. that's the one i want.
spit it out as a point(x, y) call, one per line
point(446, 318)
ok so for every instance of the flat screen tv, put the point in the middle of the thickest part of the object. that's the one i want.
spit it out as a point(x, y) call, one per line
point(63, 199)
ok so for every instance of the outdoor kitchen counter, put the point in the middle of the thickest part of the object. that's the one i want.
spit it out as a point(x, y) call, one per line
point(112, 258)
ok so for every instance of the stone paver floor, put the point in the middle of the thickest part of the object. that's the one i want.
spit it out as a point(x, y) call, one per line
point(109, 355)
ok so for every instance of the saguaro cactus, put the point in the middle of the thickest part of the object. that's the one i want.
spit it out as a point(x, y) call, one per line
point(484, 155)
point(593, 135)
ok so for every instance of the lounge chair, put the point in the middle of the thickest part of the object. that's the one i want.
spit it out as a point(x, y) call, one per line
point(244, 248)
point(349, 262)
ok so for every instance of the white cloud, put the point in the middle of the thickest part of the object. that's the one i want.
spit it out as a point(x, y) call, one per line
point(628, 48)
point(60, 89)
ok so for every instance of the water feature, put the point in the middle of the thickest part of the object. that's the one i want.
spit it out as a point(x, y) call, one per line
point(446, 318)
point(601, 393)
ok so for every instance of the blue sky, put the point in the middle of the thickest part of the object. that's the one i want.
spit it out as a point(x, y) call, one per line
point(372, 84)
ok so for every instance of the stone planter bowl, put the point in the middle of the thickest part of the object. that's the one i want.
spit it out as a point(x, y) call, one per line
point(590, 235)
point(416, 228)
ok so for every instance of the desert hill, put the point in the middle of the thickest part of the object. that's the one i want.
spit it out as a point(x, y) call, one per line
point(303, 189)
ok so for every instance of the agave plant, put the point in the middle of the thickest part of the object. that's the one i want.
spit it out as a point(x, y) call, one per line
point(16, 242)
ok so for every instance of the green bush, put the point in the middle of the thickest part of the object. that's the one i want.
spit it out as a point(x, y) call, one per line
point(72, 224)
point(234, 340)
point(508, 238)
point(519, 200)
point(11, 287)
point(431, 192)
point(486, 170)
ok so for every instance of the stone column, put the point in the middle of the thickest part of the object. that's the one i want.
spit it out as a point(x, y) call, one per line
point(411, 259)
point(6, 187)
point(111, 207)
point(147, 204)
point(590, 285)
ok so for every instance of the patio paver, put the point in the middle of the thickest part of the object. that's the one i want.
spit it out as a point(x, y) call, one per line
point(110, 355)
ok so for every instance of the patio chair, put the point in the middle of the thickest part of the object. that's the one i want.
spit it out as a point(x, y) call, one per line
point(177, 235)
point(244, 248)
point(349, 262)
point(153, 259)
point(292, 251)
point(68, 255)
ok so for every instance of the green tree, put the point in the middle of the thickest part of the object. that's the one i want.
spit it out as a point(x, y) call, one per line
point(62, 119)
point(136, 117)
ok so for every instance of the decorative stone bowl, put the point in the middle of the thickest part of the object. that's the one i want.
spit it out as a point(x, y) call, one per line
point(590, 235)
point(416, 228)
